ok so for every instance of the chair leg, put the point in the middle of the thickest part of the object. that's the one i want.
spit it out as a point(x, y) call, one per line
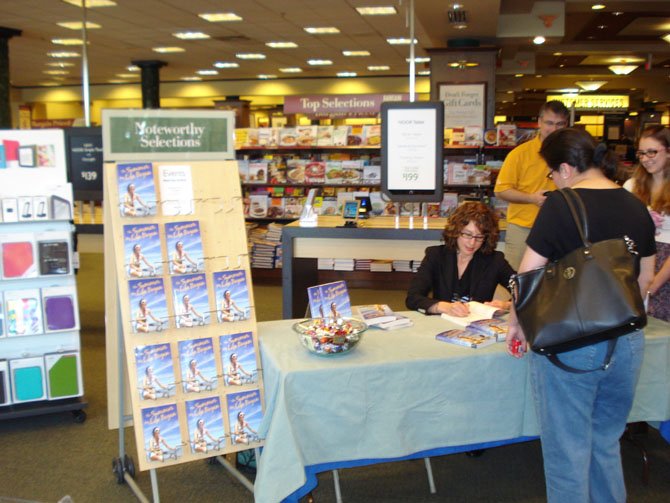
point(628, 434)
point(429, 472)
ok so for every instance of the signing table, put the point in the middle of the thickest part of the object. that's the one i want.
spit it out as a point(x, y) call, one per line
point(401, 394)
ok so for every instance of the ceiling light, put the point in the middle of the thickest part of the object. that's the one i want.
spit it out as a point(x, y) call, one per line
point(67, 41)
point(164, 50)
point(418, 60)
point(401, 41)
point(78, 25)
point(319, 62)
point(356, 53)
point(250, 55)
point(207, 72)
point(55, 72)
point(226, 64)
point(558, 54)
point(598, 6)
point(346, 74)
point(265, 76)
point(63, 54)
point(133, 68)
point(423, 73)
point(91, 3)
point(462, 64)
point(191, 78)
point(591, 85)
point(281, 45)
point(379, 68)
point(539, 40)
point(116, 81)
point(666, 38)
point(517, 75)
point(59, 64)
point(622, 69)
point(617, 13)
point(127, 75)
point(292, 69)
point(191, 35)
point(321, 30)
point(633, 114)
point(376, 11)
point(220, 17)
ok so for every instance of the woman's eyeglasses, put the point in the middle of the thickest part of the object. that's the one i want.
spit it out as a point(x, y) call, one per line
point(478, 238)
point(649, 153)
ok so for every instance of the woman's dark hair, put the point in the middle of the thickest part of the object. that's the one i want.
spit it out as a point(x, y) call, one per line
point(642, 178)
point(482, 216)
point(577, 148)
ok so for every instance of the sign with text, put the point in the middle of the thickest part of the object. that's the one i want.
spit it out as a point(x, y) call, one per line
point(464, 104)
point(412, 154)
point(84, 157)
point(168, 134)
point(593, 101)
point(340, 105)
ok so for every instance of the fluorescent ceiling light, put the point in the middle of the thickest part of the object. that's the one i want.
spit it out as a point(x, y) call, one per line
point(356, 53)
point(376, 11)
point(292, 69)
point(250, 55)
point(63, 54)
point(319, 62)
point(622, 69)
point(207, 72)
point(59, 64)
point(281, 45)
point(127, 75)
point(346, 74)
point(220, 17)
point(539, 40)
point(67, 41)
point(401, 41)
point(226, 64)
point(133, 68)
point(666, 38)
point(598, 6)
point(55, 72)
point(190, 35)
point(164, 50)
point(321, 30)
point(591, 85)
point(78, 25)
point(418, 60)
point(191, 78)
point(423, 73)
point(90, 4)
point(517, 75)
point(117, 81)
point(265, 76)
point(50, 84)
point(379, 68)
point(463, 64)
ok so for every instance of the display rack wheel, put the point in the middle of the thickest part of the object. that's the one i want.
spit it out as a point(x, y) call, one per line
point(212, 461)
point(78, 416)
point(117, 470)
point(129, 465)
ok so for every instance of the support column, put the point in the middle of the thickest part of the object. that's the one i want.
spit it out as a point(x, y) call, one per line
point(150, 82)
point(5, 110)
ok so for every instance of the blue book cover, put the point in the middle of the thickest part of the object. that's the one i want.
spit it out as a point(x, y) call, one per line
point(206, 431)
point(315, 306)
point(142, 250)
point(232, 295)
point(198, 365)
point(244, 415)
point(137, 190)
point(162, 435)
point(184, 247)
point(335, 299)
point(190, 300)
point(155, 372)
point(238, 359)
point(148, 305)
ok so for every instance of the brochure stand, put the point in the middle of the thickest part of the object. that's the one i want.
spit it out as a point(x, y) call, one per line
point(182, 330)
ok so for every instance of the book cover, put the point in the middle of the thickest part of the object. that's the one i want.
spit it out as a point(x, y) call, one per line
point(340, 136)
point(372, 174)
point(63, 375)
point(176, 189)
point(244, 416)
point(23, 310)
point(19, 257)
point(206, 431)
point(243, 170)
point(137, 191)
point(492, 327)
point(315, 172)
point(184, 247)
point(53, 253)
point(277, 170)
point(333, 172)
point(155, 371)
point(231, 292)
point(478, 311)
point(474, 135)
point(506, 135)
point(276, 207)
point(295, 170)
point(373, 135)
point(148, 305)
point(335, 299)
point(198, 365)
point(60, 308)
point(238, 358)
point(287, 137)
point(258, 205)
point(465, 338)
point(352, 171)
point(306, 135)
point(142, 249)
point(190, 300)
point(161, 433)
point(356, 135)
point(324, 136)
point(268, 137)
point(400, 321)
point(258, 172)
point(315, 305)
point(373, 314)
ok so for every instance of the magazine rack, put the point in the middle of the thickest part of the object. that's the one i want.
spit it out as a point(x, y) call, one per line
point(217, 209)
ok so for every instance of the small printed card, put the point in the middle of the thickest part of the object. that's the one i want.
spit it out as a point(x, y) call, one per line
point(176, 187)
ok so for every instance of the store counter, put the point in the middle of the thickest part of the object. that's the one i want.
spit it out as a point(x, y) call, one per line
point(402, 394)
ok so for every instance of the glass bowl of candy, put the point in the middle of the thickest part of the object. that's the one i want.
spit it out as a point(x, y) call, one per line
point(330, 336)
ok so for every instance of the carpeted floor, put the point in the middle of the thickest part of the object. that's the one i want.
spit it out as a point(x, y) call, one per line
point(47, 457)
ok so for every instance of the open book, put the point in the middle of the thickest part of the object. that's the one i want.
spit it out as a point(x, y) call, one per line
point(483, 319)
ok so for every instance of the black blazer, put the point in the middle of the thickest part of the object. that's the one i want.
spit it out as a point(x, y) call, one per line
point(438, 274)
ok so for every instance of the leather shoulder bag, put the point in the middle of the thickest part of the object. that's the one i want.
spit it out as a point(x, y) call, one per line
point(588, 296)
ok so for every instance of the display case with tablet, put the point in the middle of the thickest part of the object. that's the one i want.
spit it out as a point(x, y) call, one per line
point(350, 213)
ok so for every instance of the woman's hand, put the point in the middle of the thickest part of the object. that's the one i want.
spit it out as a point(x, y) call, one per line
point(515, 340)
point(451, 308)
point(499, 304)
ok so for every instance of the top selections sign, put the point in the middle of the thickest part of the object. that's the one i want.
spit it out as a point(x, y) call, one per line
point(167, 135)
point(340, 105)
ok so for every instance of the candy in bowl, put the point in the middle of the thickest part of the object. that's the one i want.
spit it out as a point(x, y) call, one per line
point(330, 336)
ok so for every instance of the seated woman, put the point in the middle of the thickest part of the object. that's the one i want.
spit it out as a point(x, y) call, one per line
point(467, 267)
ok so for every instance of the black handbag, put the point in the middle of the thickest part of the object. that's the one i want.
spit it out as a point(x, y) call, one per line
point(588, 296)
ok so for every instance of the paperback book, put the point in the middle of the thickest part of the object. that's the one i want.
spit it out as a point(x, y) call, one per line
point(238, 358)
point(244, 416)
point(374, 314)
point(400, 321)
point(206, 430)
point(137, 191)
point(465, 338)
point(190, 300)
point(184, 245)
point(198, 365)
point(332, 300)
point(478, 311)
point(155, 372)
point(231, 292)
point(142, 247)
point(161, 432)
point(148, 305)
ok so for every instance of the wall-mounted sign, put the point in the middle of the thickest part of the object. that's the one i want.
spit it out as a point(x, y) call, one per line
point(83, 151)
point(592, 101)
point(130, 135)
point(339, 105)
point(412, 152)
point(464, 104)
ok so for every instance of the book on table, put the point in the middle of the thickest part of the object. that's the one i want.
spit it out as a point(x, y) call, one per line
point(382, 316)
point(483, 319)
point(466, 338)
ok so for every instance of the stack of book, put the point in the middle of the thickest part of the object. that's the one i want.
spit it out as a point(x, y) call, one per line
point(381, 266)
point(325, 263)
point(402, 265)
point(382, 316)
point(343, 264)
point(482, 327)
point(362, 264)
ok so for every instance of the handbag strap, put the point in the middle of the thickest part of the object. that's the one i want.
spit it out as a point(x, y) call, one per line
point(611, 345)
point(578, 212)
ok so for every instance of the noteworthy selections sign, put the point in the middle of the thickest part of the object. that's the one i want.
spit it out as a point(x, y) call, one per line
point(168, 134)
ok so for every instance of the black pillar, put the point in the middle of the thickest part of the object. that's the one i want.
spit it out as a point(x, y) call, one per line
point(150, 82)
point(5, 111)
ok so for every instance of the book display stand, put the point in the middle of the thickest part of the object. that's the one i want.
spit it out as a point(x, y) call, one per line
point(40, 357)
point(181, 319)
